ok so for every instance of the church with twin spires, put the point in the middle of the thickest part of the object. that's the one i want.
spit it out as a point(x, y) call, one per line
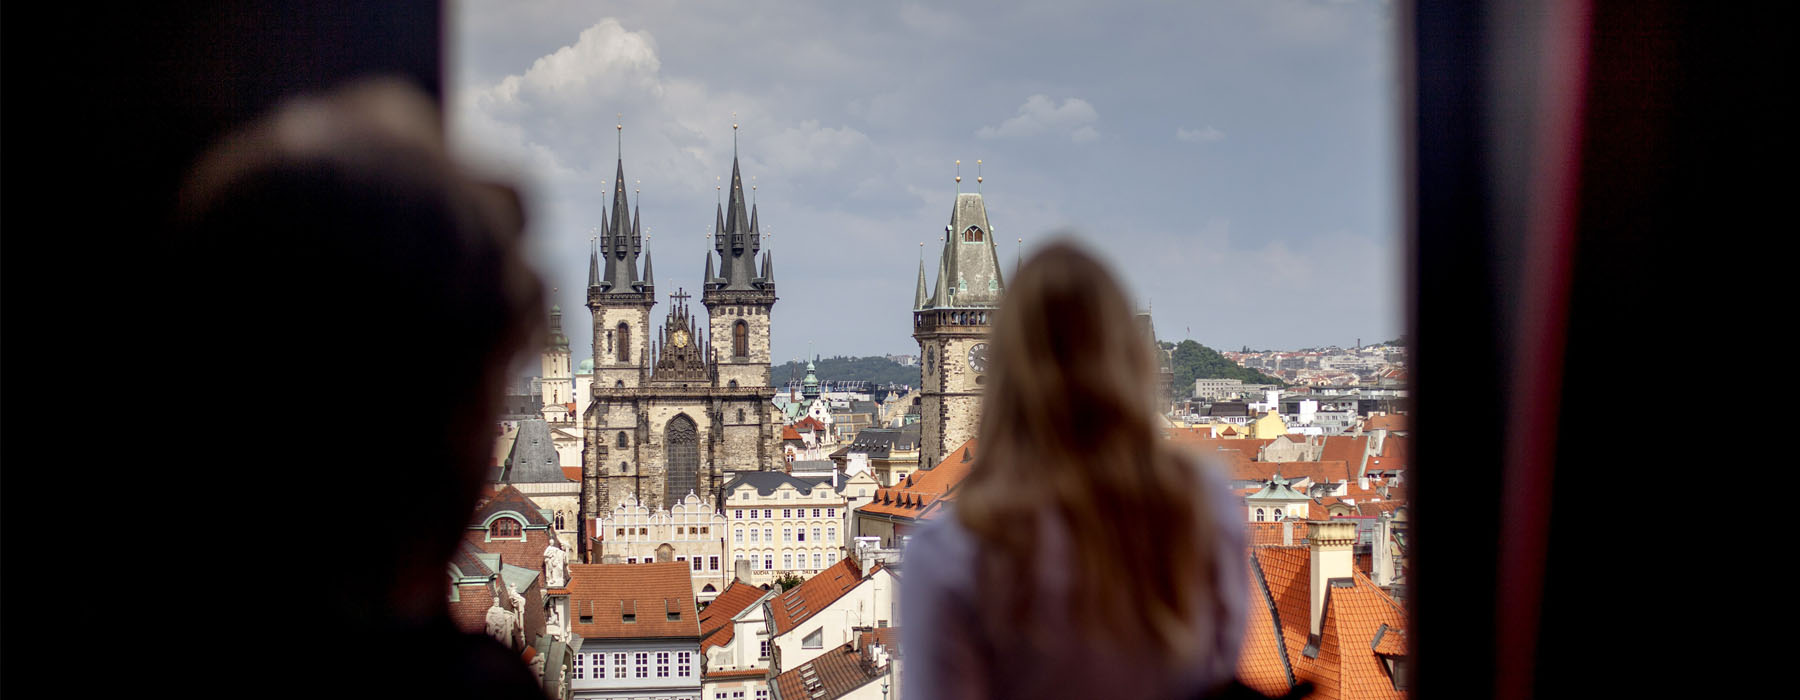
point(675, 408)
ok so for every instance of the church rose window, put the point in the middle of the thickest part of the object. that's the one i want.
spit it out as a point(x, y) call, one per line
point(682, 438)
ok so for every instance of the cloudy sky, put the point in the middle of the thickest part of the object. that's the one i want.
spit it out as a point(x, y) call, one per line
point(1234, 160)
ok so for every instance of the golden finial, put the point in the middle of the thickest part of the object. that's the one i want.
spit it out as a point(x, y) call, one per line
point(959, 171)
point(978, 171)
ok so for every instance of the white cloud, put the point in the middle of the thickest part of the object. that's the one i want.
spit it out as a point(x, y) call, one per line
point(1201, 135)
point(1041, 115)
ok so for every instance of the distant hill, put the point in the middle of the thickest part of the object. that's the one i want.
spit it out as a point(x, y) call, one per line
point(1193, 361)
point(879, 370)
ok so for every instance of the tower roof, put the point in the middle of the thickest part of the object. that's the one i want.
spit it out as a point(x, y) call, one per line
point(620, 241)
point(737, 240)
point(969, 267)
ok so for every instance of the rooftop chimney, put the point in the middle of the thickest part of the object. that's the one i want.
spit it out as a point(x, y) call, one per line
point(1333, 558)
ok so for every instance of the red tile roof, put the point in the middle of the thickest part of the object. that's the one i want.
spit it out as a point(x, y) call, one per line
point(919, 495)
point(788, 432)
point(833, 674)
point(660, 596)
point(809, 423)
point(1347, 663)
point(715, 620)
point(790, 608)
point(1266, 533)
point(572, 473)
point(1387, 421)
point(1345, 448)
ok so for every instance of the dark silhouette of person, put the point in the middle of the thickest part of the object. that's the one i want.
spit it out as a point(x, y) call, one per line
point(343, 302)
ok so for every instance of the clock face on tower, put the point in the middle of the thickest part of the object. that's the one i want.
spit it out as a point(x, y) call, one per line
point(679, 338)
point(978, 357)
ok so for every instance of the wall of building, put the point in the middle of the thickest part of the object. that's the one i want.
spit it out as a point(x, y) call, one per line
point(632, 686)
point(870, 604)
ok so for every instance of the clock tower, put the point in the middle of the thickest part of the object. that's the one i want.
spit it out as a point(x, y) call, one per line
point(951, 324)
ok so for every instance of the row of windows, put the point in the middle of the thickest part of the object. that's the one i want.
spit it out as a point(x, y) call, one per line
point(787, 534)
point(785, 512)
point(1277, 514)
point(762, 694)
point(679, 530)
point(789, 495)
point(595, 666)
point(789, 562)
point(712, 563)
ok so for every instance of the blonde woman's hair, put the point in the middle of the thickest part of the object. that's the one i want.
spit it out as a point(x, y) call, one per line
point(1070, 433)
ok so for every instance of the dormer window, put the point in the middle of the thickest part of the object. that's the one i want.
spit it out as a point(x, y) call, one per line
point(505, 527)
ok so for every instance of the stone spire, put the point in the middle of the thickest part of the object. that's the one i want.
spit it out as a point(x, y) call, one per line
point(593, 264)
point(737, 240)
point(649, 275)
point(707, 281)
point(969, 257)
point(620, 242)
point(942, 296)
point(919, 296)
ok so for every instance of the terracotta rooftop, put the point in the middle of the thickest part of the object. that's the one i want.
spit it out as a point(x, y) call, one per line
point(658, 599)
point(1266, 533)
point(790, 608)
point(1386, 421)
point(1344, 448)
point(715, 621)
point(572, 473)
point(918, 496)
point(1347, 662)
point(808, 423)
point(833, 674)
point(788, 432)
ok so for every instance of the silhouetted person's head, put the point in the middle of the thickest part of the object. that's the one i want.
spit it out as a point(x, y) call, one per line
point(347, 304)
point(1070, 438)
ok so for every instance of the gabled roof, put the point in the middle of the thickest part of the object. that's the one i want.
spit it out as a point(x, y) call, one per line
point(765, 482)
point(917, 496)
point(790, 608)
point(533, 458)
point(510, 499)
point(715, 620)
point(1357, 620)
point(652, 593)
point(788, 433)
point(833, 674)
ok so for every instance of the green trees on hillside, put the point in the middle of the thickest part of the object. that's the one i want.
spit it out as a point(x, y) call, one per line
point(1193, 361)
point(879, 370)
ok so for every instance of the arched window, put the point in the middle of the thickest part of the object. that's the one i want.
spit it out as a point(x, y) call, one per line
point(1259, 515)
point(504, 527)
point(559, 521)
point(740, 339)
point(624, 346)
point(619, 384)
point(622, 439)
point(623, 468)
point(740, 415)
point(733, 384)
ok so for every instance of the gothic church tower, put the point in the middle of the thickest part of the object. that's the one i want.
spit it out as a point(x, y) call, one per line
point(620, 300)
point(738, 301)
point(951, 325)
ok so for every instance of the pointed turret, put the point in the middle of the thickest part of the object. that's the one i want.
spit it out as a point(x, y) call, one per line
point(769, 267)
point(620, 242)
point(709, 279)
point(942, 296)
point(649, 274)
point(919, 296)
point(753, 227)
point(738, 240)
point(593, 266)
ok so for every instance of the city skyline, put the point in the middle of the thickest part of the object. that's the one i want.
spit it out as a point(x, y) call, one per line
point(1234, 162)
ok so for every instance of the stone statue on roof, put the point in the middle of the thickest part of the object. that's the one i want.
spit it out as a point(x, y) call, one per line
point(556, 561)
point(500, 623)
point(554, 626)
point(518, 606)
